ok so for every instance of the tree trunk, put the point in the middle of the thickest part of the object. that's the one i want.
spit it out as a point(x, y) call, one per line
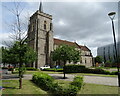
point(20, 66)
point(20, 82)
point(64, 69)
point(4, 64)
point(20, 76)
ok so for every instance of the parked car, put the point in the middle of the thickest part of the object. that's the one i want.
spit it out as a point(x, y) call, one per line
point(58, 67)
point(44, 67)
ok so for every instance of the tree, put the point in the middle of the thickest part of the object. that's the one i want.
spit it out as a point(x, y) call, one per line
point(19, 54)
point(4, 55)
point(98, 59)
point(22, 54)
point(66, 53)
point(19, 48)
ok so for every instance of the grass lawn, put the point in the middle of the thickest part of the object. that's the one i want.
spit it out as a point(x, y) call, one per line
point(93, 88)
point(32, 72)
point(98, 89)
point(12, 87)
point(90, 74)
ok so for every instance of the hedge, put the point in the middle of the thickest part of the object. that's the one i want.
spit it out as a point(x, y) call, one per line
point(78, 81)
point(43, 80)
point(4, 67)
point(74, 68)
point(114, 73)
point(29, 68)
point(46, 82)
point(53, 69)
point(10, 69)
point(83, 69)
point(96, 71)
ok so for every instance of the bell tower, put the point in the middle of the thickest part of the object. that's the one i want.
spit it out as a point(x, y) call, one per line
point(40, 35)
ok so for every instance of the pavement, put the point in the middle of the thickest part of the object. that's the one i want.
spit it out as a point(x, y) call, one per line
point(111, 81)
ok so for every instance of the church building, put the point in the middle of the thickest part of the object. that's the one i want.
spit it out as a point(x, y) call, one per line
point(40, 34)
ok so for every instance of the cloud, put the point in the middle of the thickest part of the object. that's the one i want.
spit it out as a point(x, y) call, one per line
point(87, 23)
point(84, 22)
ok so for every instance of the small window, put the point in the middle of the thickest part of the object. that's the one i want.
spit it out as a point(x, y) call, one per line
point(85, 60)
point(45, 25)
point(50, 26)
point(31, 27)
point(81, 61)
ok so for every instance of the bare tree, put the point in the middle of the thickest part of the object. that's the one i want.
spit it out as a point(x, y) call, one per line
point(18, 27)
point(19, 33)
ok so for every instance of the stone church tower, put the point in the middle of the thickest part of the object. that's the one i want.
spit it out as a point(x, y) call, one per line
point(40, 35)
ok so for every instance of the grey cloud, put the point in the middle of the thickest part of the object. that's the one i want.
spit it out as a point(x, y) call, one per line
point(85, 22)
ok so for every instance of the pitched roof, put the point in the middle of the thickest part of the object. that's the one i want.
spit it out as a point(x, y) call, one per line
point(59, 42)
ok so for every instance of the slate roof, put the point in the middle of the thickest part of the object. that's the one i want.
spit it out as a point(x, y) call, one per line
point(60, 42)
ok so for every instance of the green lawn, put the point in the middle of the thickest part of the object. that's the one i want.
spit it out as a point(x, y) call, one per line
point(32, 72)
point(98, 89)
point(90, 74)
point(93, 88)
point(12, 87)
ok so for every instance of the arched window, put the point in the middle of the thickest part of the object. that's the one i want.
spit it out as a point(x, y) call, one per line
point(85, 60)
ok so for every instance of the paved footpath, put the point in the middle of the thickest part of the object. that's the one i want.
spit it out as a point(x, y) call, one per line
point(112, 81)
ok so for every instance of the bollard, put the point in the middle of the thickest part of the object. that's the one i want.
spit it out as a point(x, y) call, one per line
point(119, 79)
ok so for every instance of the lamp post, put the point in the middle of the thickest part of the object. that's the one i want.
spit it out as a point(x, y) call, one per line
point(112, 15)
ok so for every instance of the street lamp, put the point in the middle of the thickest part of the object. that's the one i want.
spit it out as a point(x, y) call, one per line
point(112, 15)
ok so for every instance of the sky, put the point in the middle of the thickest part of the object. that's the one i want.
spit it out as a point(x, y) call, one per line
point(86, 23)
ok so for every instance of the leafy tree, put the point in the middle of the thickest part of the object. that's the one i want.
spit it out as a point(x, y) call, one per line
point(66, 53)
point(19, 28)
point(98, 59)
point(4, 55)
point(27, 54)
point(23, 54)
point(19, 53)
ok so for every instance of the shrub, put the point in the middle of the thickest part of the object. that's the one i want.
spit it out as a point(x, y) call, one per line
point(10, 69)
point(71, 90)
point(74, 87)
point(83, 69)
point(56, 89)
point(53, 69)
point(4, 67)
point(74, 68)
point(16, 69)
point(114, 73)
point(31, 69)
point(96, 71)
point(47, 83)
point(78, 82)
point(43, 80)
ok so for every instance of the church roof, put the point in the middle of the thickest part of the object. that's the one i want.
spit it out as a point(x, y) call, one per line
point(59, 42)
